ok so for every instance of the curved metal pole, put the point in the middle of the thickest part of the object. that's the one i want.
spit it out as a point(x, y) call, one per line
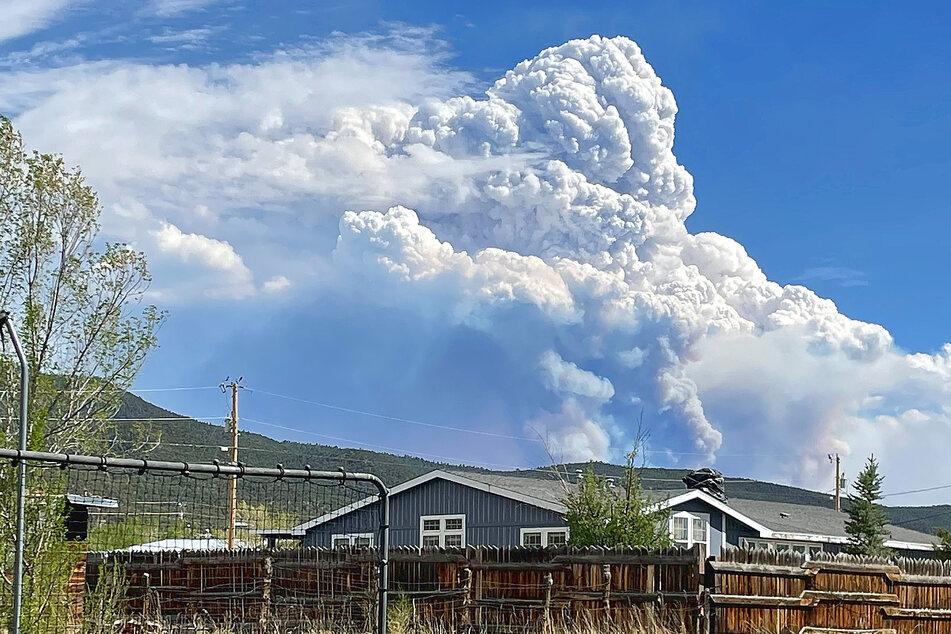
point(384, 563)
point(21, 476)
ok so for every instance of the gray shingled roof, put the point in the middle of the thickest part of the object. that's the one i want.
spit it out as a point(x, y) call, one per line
point(800, 518)
point(812, 520)
point(547, 489)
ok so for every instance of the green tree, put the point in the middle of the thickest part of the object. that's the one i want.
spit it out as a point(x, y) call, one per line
point(600, 514)
point(942, 549)
point(78, 309)
point(865, 526)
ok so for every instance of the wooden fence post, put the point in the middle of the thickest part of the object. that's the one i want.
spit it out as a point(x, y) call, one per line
point(266, 591)
point(478, 591)
point(606, 574)
point(466, 599)
point(549, 582)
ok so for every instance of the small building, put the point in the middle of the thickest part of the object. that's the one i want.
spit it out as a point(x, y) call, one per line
point(76, 521)
point(451, 508)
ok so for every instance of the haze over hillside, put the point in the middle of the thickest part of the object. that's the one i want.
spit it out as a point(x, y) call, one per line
point(189, 440)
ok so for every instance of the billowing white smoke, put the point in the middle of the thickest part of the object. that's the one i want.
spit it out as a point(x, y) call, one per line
point(586, 225)
point(548, 215)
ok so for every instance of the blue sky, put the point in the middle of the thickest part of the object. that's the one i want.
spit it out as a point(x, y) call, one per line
point(815, 135)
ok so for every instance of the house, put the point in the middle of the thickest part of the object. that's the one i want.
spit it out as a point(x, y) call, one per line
point(450, 508)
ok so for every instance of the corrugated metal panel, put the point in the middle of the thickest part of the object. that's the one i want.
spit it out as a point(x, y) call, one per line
point(491, 520)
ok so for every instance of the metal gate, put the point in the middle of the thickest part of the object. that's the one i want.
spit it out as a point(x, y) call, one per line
point(136, 545)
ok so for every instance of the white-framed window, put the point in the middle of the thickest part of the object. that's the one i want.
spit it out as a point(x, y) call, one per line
point(687, 529)
point(548, 536)
point(360, 540)
point(780, 546)
point(442, 530)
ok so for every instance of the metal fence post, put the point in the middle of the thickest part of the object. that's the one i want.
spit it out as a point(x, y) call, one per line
point(384, 557)
point(21, 476)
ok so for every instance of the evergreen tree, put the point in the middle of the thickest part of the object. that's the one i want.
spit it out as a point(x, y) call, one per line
point(866, 524)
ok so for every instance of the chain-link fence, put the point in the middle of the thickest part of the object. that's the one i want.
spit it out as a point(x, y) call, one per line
point(121, 545)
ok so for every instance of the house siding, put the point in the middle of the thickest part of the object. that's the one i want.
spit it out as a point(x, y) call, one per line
point(491, 520)
point(715, 529)
point(736, 529)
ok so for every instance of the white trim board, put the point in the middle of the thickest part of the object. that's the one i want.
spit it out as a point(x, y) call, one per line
point(694, 494)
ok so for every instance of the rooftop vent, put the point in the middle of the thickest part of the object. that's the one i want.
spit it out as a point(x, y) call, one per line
point(707, 480)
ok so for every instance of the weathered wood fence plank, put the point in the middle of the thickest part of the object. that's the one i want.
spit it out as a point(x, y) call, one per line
point(781, 593)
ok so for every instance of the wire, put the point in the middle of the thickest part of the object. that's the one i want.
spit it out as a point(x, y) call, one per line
point(921, 519)
point(172, 389)
point(936, 488)
point(357, 442)
point(396, 418)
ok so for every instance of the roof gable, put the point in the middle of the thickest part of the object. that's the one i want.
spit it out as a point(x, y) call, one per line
point(489, 487)
point(797, 522)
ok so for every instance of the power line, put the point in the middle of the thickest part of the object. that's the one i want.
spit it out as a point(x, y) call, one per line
point(446, 458)
point(357, 442)
point(936, 488)
point(398, 419)
point(921, 519)
point(350, 410)
point(170, 389)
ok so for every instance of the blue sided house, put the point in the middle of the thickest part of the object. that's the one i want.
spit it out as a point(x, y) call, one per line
point(455, 508)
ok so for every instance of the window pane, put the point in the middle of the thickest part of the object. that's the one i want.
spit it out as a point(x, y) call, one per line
point(814, 549)
point(797, 548)
point(453, 540)
point(430, 525)
point(557, 538)
point(782, 548)
point(430, 540)
point(454, 524)
point(362, 542)
point(531, 539)
point(680, 529)
point(699, 530)
point(341, 542)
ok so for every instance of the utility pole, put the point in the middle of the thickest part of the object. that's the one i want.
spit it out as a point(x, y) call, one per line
point(838, 481)
point(234, 386)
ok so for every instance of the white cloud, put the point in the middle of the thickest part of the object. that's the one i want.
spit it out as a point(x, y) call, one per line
point(554, 201)
point(187, 39)
point(276, 284)
point(212, 253)
point(23, 17)
point(168, 8)
point(842, 275)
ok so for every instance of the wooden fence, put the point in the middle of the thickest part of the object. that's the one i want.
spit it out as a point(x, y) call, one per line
point(766, 592)
point(479, 588)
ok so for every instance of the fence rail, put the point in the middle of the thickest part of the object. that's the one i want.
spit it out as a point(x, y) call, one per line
point(458, 589)
point(768, 592)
